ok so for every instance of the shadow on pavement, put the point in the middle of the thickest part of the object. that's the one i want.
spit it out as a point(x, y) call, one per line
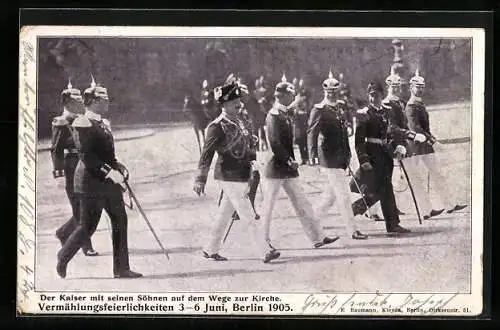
point(209, 273)
point(363, 246)
point(132, 252)
point(414, 233)
point(294, 260)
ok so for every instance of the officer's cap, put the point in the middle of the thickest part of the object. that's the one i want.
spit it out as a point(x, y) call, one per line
point(95, 91)
point(417, 80)
point(375, 87)
point(228, 92)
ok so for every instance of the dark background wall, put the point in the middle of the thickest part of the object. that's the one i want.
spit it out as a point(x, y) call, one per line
point(147, 78)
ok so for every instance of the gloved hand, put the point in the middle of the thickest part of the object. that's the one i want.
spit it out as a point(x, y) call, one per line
point(199, 188)
point(115, 176)
point(419, 137)
point(124, 171)
point(366, 166)
point(293, 164)
point(400, 151)
point(350, 131)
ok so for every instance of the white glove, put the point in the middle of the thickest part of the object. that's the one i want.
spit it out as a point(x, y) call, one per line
point(115, 176)
point(419, 137)
point(400, 150)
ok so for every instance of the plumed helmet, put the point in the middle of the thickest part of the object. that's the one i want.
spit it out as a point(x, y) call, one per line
point(393, 80)
point(417, 79)
point(228, 92)
point(284, 87)
point(70, 93)
point(331, 83)
point(95, 91)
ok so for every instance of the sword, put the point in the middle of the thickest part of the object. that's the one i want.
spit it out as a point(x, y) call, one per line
point(401, 165)
point(141, 211)
point(359, 189)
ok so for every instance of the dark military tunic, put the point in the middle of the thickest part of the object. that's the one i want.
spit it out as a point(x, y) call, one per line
point(329, 122)
point(280, 134)
point(300, 118)
point(374, 144)
point(233, 142)
point(418, 121)
point(398, 124)
point(97, 158)
point(64, 160)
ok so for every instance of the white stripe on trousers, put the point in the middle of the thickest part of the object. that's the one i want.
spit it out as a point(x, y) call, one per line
point(234, 198)
point(337, 191)
point(301, 204)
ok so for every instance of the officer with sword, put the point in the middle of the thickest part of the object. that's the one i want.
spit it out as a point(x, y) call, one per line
point(100, 181)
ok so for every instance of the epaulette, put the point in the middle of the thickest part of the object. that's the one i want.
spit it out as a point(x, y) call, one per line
point(414, 100)
point(274, 111)
point(81, 122)
point(341, 102)
point(362, 113)
point(106, 122)
point(59, 121)
point(216, 120)
point(319, 105)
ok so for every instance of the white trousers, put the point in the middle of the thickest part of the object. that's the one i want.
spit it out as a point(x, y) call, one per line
point(301, 204)
point(234, 198)
point(337, 190)
point(418, 168)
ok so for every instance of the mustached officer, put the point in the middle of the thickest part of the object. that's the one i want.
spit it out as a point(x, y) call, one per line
point(228, 136)
point(99, 179)
point(424, 157)
point(65, 157)
point(328, 121)
point(375, 145)
point(282, 170)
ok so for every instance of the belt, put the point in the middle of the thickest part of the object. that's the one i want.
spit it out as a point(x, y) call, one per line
point(376, 141)
point(71, 151)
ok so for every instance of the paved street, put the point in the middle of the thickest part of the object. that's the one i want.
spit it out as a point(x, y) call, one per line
point(436, 257)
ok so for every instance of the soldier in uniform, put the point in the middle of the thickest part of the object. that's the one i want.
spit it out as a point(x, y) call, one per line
point(99, 180)
point(282, 170)
point(198, 118)
point(423, 155)
point(375, 145)
point(300, 117)
point(260, 94)
point(208, 103)
point(228, 136)
point(64, 159)
point(328, 120)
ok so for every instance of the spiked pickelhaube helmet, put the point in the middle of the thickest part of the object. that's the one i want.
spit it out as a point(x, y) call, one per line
point(330, 83)
point(417, 80)
point(95, 91)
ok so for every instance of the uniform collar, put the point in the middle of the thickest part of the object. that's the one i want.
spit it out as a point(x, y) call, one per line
point(92, 115)
point(224, 115)
point(415, 99)
point(68, 114)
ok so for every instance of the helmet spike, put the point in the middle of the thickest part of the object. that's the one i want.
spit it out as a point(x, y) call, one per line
point(417, 73)
point(341, 76)
point(69, 83)
point(330, 74)
point(393, 71)
point(92, 83)
point(283, 78)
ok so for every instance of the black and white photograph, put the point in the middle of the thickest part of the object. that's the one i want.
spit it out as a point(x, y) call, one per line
point(227, 171)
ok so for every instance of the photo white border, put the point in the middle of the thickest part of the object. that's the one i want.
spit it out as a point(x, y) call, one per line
point(28, 299)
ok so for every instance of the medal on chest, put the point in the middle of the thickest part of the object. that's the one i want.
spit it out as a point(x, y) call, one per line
point(236, 136)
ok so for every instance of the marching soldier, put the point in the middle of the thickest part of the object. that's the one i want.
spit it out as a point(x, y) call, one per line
point(329, 121)
point(64, 159)
point(228, 136)
point(99, 179)
point(198, 118)
point(260, 94)
point(207, 101)
point(282, 170)
point(300, 117)
point(423, 154)
point(375, 145)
